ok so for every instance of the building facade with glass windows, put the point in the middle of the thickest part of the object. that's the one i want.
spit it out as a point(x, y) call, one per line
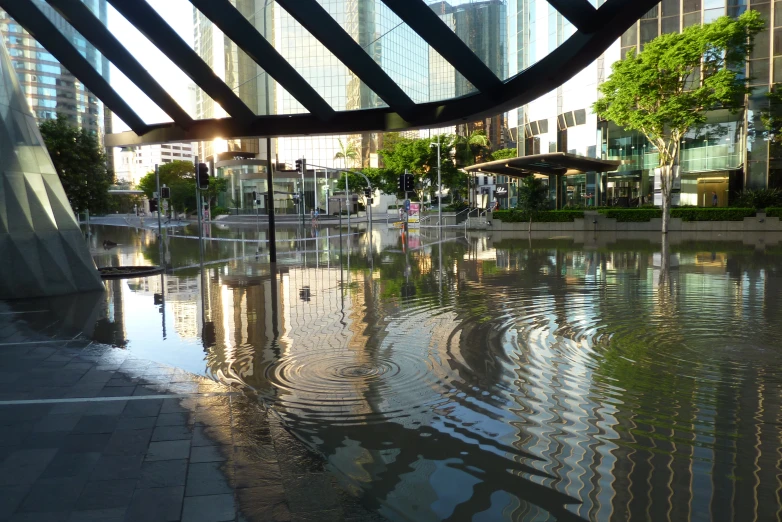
point(731, 153)
point(49, 88)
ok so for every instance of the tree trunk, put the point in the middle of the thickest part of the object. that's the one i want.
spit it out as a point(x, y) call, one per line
point(666, 189)
point(529, 228)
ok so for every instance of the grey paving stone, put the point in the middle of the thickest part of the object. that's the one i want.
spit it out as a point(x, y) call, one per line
point(210, 508)
point(128, 442)
point(71, 465)
point(98, 515)
point(10, 498)
point(106, 494)
point(163, 473)
point(143, 408)
point(106, 408)
point(311, 492)
point(58, 494)
point(265, 504)
point(119, 391)
point(25, 466)
point(171, 433)
point(209, 453)
point(136, 423)
point(96, 424)
point(156, 504)
point(331, 515)
point(85, 442)
point(57, 422)
point(196, 487)
point(69, 408)
point(15, 434)
point(173, 406)
point(115, 467)
point(168, 450)
point(172, 419)
point(59, 516)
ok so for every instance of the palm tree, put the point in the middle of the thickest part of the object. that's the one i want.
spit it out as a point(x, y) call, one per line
point(347, 152)
point(469, 149)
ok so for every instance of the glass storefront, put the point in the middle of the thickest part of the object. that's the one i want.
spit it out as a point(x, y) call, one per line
point(247, 176)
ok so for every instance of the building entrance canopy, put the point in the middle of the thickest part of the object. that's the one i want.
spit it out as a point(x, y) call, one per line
point(555, 163)
point(388, 78)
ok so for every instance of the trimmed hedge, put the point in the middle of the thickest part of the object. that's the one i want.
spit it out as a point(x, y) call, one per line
point(774, 212)
point(712, 214)
point(627, 215)
point(546, 216)
point(634, 215)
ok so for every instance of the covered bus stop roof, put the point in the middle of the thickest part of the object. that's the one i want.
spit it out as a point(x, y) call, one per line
point(557, 163)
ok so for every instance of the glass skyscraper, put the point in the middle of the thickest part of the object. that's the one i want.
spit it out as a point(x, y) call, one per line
point(49, 88)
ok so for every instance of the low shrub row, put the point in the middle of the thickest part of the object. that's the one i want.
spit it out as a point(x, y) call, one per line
point(545, 216)
point(712, 214)
point(774, 212)
point(626, 215)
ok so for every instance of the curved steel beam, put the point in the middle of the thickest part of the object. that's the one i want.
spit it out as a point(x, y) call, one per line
point(580, 13)
point(558, 67)
point(42, 29)
point(424, 21)
point(154, 27)
point(225, 16)
point(82, 19)
point(316, 20)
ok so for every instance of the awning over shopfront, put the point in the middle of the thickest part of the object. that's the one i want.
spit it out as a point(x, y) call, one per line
point(556, 163)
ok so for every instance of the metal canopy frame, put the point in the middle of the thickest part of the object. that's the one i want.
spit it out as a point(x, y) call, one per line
point(157, 31)
point(316, 20)
point(597, 30)
point(552, 163)
point(84, 21)
point(43, 30)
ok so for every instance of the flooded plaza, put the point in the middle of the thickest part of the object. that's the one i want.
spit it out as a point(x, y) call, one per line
point(477, 376)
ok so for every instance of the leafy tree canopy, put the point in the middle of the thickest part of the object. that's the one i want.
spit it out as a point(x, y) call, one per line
point(670, 86)
point(179, 176)
point(80, 163)
point(504, 154)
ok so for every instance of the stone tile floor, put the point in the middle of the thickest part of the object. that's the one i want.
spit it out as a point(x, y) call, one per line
point(90, 433)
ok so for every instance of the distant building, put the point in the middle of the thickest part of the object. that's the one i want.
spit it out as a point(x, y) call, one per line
point(49, 88)
point(133, 163)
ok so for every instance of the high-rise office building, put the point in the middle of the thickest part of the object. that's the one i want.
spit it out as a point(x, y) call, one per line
point(49, 88)
point(733, 155)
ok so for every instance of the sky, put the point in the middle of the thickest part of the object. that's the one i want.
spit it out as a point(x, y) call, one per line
point(179, 15)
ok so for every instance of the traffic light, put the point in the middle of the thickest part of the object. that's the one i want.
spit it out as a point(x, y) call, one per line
point(400, 183)
point(301, 166)
point(255, 196)
point(367, 192)
point(165, 193)
point(153, 205)
point(408, 184)
point(202, 174)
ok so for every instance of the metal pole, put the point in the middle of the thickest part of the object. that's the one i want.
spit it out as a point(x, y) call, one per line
point(347, 202)
point(157, 181)
point(439, 188)
point(270, 190)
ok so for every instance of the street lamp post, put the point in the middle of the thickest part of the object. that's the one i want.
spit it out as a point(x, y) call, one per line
point(439, 185)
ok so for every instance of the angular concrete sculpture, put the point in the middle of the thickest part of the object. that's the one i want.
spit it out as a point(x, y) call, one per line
point(42, 251)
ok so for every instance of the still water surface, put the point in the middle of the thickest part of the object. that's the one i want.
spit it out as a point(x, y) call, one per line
point(482, 378)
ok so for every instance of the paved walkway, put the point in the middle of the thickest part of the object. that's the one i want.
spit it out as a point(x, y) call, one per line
point(90, 433)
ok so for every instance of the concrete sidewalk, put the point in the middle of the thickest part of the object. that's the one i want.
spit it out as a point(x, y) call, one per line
point(90, 433)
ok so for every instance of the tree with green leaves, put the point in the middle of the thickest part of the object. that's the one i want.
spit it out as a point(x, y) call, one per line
point(179, 176)
point(471, 149)
point(80, 163)
point(349, 153)
point(533, 197)
point(503, 154)
point(668, 88)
